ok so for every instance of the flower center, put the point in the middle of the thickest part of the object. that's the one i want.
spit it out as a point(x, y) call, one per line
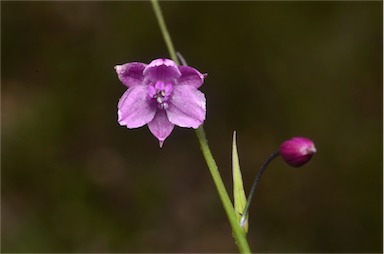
point(160, 92)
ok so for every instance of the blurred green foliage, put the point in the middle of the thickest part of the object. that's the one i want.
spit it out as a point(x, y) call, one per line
point(73, 180)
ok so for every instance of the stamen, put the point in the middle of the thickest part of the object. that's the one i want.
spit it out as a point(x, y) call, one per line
point(160, 92)
point(164, 105)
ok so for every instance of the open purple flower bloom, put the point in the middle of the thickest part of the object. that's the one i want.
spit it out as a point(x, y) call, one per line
point(161, 95)
point(297, 151)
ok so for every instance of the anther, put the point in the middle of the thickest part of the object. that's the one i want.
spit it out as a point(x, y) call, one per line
point(164, 105)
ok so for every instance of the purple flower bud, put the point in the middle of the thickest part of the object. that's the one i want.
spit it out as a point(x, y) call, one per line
point(297, 151)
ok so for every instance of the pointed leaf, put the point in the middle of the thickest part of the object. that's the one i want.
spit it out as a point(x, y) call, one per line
point(239, 197)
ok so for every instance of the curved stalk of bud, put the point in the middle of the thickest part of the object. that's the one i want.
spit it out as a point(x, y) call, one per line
point(254, 185)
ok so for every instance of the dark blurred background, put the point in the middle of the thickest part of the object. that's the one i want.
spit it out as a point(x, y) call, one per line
point(73, 180)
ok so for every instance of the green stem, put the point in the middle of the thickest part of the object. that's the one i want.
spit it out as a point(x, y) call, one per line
point(238, 232)
point(164, 30)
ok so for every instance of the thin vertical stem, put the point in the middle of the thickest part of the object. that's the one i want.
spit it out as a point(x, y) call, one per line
point(238, 232)
point(164, 30)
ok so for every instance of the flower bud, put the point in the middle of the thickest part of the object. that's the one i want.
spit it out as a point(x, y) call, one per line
point(297, 151)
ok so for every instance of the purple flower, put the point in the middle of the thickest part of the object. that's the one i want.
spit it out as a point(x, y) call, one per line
point(161, 95)
point(297, 151)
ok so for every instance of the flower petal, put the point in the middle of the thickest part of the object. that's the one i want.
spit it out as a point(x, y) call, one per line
point(134, 109)
point(160, 126)
point(131, 74)
point(161, 69)
point(187, 107)
point(190, 76)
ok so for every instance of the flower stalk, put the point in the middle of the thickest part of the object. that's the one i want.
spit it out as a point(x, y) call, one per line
point(295, 152)
point(254, 185)
point(238, 232)
point(164, 30)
